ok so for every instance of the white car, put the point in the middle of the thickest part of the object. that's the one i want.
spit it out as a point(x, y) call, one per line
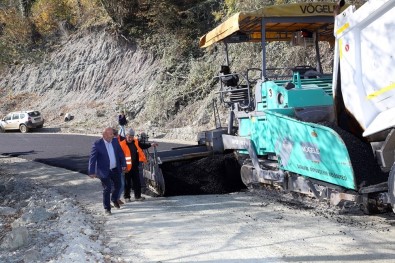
point(22, 120)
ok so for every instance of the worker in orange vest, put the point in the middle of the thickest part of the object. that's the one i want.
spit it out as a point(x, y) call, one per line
point(134, 154)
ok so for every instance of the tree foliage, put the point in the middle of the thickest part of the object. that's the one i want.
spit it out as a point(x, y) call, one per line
point(15, 35)
point(26, 25)
point(48, 14)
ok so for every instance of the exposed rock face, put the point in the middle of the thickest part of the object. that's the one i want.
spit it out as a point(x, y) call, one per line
point(92, 73)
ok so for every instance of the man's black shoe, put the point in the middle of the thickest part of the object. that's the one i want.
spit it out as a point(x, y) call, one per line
point(116, 204)
point(107, 212)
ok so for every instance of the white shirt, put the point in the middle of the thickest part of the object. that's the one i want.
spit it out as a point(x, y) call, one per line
point(111, 154)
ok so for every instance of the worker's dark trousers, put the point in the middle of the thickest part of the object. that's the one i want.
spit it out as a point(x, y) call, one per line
point(132, 176)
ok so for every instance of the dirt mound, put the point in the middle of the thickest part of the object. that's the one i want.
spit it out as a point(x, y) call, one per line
point(216, 174)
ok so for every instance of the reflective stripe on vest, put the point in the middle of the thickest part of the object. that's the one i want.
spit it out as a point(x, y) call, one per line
point(128, 160)
point(128, 156)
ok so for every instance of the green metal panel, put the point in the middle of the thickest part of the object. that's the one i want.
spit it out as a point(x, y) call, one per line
point(310, 149)
point(271, 90)
point(304, 148)
point(259, 134)
point(255, 128)
point(325, 83)
point(244, 130)
point(261, 106)
point(310, 94)
point(245, 127)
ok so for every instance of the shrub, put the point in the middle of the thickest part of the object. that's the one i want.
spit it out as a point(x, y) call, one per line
point(47, 14)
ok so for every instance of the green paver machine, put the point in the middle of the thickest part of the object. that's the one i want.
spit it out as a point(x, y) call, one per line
point(329, 136)
point(326, 135)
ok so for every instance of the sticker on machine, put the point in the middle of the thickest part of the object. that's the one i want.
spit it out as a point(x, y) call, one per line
point(347, 47)
point(284, 148)
point(311, 151)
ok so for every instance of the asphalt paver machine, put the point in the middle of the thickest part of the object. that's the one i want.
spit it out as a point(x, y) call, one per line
point(328, 135)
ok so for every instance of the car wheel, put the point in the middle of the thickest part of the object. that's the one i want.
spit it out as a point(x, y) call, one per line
point(1, 129)
point(23, 128)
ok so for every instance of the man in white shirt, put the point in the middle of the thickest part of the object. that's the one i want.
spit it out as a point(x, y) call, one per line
point(107, 162)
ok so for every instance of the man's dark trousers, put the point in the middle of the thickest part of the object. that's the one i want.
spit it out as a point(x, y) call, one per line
point(108, 193)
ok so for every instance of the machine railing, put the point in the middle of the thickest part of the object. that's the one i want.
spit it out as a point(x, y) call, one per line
point(237, 93)
point(282, 73)
point(235, 88)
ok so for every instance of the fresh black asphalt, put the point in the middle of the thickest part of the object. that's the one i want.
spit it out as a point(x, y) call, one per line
point(69, 151)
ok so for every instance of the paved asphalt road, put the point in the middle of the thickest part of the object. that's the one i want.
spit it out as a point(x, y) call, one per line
point(69, 151)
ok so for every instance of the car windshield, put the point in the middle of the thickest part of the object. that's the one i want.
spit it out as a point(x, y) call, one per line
point(34, 113)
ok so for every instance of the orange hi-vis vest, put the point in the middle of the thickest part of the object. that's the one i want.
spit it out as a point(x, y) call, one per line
point(128, 155)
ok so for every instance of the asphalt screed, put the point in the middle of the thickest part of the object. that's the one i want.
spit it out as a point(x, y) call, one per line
point(215, 174)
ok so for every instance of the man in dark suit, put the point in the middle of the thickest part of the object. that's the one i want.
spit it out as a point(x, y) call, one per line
point(107, 162)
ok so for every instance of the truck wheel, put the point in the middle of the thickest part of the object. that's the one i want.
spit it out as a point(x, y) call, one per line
point(391, 187)
point(23, 128)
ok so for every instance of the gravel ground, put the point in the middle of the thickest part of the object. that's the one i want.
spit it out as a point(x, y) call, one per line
point(38, 224)
point(58, 217)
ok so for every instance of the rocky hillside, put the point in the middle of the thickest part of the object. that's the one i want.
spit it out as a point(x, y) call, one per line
point(91, 75)
point(163, 81)
point(94, 72)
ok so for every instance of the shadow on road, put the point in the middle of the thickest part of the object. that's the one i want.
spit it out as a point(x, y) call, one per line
point(69, 162)
point(47, 130)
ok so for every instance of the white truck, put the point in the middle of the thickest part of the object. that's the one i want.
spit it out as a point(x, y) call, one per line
point(364, 71)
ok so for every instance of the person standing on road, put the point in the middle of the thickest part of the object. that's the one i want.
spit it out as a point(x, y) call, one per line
point(119, 138)
point(122, 121)
point(134, 154)
point(106, 162)
point(143, 138)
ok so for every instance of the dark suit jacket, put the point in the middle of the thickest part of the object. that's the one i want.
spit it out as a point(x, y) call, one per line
point(99, 162)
